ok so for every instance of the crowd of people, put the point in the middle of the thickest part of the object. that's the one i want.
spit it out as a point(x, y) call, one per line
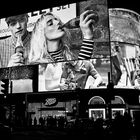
point(121, 127)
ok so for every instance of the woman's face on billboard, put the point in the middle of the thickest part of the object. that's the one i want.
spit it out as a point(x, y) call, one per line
point(53, 30)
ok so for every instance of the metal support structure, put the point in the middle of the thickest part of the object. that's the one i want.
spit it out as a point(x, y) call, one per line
point(11, 89)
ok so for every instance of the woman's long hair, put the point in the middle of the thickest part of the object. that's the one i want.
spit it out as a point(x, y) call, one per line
point(38, 45)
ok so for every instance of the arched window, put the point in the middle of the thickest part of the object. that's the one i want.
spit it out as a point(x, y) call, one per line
point(118, 100)
point(96, 100)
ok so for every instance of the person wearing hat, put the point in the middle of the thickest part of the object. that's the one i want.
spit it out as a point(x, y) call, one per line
point(9, 57)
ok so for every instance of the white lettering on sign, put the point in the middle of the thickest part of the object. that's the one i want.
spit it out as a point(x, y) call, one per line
point(50, 101)
point(65, 13)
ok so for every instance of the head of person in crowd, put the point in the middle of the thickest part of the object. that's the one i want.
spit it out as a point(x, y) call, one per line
point(17, 24)
point(49, 36)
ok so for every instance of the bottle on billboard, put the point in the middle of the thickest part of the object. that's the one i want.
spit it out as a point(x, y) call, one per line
point(19, 46)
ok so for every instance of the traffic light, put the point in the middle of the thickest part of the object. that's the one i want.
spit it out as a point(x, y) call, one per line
point(5, 86)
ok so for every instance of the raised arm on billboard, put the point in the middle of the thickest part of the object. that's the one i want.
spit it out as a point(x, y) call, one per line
point(87, 24)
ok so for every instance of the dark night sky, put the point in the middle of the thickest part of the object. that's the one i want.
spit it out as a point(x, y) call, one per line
point(8, 8)
point(128, 4)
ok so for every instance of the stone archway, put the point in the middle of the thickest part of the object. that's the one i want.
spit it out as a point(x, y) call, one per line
point(96, 100)
point(118, 100)
point(96, 112)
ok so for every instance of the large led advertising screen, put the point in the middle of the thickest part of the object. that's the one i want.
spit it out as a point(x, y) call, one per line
point(57, 48)
point(125, 51)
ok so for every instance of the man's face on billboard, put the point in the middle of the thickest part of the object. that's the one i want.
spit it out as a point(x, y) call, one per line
point(18, 25)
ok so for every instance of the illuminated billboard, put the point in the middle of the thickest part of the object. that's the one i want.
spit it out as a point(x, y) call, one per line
point(77, 74)
point(65, 48)
point(125, 51)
